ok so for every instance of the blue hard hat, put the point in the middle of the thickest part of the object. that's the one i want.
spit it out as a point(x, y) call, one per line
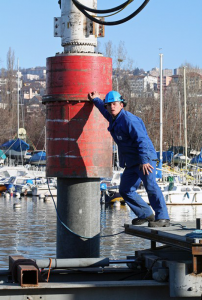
point(113, 96)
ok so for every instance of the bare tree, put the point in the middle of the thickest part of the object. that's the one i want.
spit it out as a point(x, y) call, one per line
point(129, 64)
point(193, 102)
point(35, 124)
point(5, 131)
point(11, 80)
point(109, 49)
point(121, 54)
point(9, 99)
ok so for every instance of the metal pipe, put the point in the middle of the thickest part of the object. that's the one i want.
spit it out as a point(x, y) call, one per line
point(76, 154)
point(73, 263)
point(80, 262)
point(75, 29)
point(78, 206)
point(122, 261)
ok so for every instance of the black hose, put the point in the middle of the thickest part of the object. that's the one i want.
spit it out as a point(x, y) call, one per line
point(115, 22)
point(100, 11)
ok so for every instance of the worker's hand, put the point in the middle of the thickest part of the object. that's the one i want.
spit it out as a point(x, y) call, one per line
point(146, 168)
point(93, 95)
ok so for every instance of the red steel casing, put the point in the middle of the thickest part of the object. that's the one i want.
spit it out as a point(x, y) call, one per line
point(78, 142)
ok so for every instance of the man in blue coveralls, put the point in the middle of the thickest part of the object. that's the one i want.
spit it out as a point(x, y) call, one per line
point(138, 156)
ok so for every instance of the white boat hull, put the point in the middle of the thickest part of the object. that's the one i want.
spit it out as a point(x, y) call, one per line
point(187, 198)
point(16, 153)
point(41, 162)
point(44, 191)
point(179, 197)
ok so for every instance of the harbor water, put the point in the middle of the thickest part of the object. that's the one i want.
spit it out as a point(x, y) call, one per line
point(30, 230)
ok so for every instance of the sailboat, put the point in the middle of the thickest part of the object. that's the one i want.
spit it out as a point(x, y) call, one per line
point(197, 160)
point(15, 148)
point(38, 158)
point(180, 159)
point(175, 192)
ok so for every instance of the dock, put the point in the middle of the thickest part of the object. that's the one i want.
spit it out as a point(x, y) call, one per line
point(175, 255)
point(170, 269)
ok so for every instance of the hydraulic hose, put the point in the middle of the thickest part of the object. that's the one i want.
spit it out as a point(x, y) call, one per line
point(100, 11)
point(137, 11)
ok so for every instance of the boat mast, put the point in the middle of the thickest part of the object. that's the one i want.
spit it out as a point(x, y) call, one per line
point(161, 116)
point(45, 137)
point(185, 117)
point(180, 118)
point(18, 100)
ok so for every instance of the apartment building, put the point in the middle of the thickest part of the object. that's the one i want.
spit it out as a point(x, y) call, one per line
point(31, 89)
point(179, 71)
point(39, 71)
point(165, 82)
point(167, 72)
point(142, 84)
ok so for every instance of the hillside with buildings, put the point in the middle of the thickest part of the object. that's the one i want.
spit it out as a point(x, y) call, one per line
point(140, 88)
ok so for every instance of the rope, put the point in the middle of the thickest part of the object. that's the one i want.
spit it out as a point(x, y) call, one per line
point(49, 269)
point(180, 225)
point(40, 136)
point(30, 141)
point(66, 227)
point(9, 147)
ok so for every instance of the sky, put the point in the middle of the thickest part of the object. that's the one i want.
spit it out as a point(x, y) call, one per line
point(171, 27)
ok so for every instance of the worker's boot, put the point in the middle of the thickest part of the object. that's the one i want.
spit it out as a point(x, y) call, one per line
point(138, 221)
point(160, 223)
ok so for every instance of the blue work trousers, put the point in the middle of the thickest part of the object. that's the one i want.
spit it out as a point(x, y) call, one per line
point(130, 181)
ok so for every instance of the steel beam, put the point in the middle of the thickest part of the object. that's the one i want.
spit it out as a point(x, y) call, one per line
point(27, 275)
point(160, 236)
point(23, 271)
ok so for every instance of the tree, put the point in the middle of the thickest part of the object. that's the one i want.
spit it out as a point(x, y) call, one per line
point(35, 124)
point(109, 49)
point(11, 79)
point(121, 54)
point(9, 99)
point(194, 104)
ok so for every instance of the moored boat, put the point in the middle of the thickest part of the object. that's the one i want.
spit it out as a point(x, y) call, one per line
point(38, 158)
point(46, 189)
point(179, 194)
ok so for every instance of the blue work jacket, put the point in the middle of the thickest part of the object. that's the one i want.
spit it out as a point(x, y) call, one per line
point(130, 135)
